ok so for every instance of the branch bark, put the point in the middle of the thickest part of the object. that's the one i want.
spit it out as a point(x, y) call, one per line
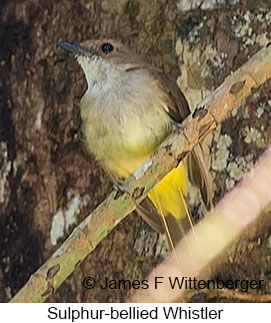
point(86, 236)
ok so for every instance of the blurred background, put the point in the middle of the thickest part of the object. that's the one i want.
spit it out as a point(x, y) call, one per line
point(48, 181)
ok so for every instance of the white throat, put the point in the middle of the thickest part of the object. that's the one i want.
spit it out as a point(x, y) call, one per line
point(100, 74)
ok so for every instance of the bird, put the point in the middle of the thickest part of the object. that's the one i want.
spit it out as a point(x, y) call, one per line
point(128, 109)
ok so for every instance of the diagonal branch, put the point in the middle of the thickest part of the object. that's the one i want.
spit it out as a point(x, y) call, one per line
point(118, 204)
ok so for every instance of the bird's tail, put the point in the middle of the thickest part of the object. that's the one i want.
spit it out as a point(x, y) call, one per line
point(169, 197)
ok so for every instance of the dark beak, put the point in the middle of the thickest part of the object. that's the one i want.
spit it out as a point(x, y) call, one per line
point(73, 48)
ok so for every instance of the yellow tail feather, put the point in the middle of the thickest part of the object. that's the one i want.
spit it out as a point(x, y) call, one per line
point(169, 197)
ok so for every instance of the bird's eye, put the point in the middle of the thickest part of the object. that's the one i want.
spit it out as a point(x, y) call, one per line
point(107, 48)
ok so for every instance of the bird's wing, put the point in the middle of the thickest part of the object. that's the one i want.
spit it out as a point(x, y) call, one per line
point(178, 109)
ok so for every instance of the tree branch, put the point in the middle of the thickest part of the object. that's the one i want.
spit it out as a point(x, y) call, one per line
point(118, 204)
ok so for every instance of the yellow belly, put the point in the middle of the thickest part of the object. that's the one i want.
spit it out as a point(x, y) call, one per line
point(169, 195)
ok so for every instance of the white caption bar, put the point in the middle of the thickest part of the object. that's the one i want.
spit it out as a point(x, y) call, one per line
point(136, 312)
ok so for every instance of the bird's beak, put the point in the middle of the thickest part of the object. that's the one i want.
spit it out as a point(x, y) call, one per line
point(73, 48)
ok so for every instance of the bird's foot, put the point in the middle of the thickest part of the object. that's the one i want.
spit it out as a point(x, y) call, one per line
point(118, 186)
point(176, 126)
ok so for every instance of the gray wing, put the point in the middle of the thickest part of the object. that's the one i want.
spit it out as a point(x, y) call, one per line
point(178, 110)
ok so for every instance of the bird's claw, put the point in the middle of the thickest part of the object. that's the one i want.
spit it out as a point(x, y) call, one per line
point(118, 186)
point(176, 126)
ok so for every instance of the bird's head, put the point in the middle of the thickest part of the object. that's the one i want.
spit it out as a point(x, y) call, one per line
point(103, 59)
